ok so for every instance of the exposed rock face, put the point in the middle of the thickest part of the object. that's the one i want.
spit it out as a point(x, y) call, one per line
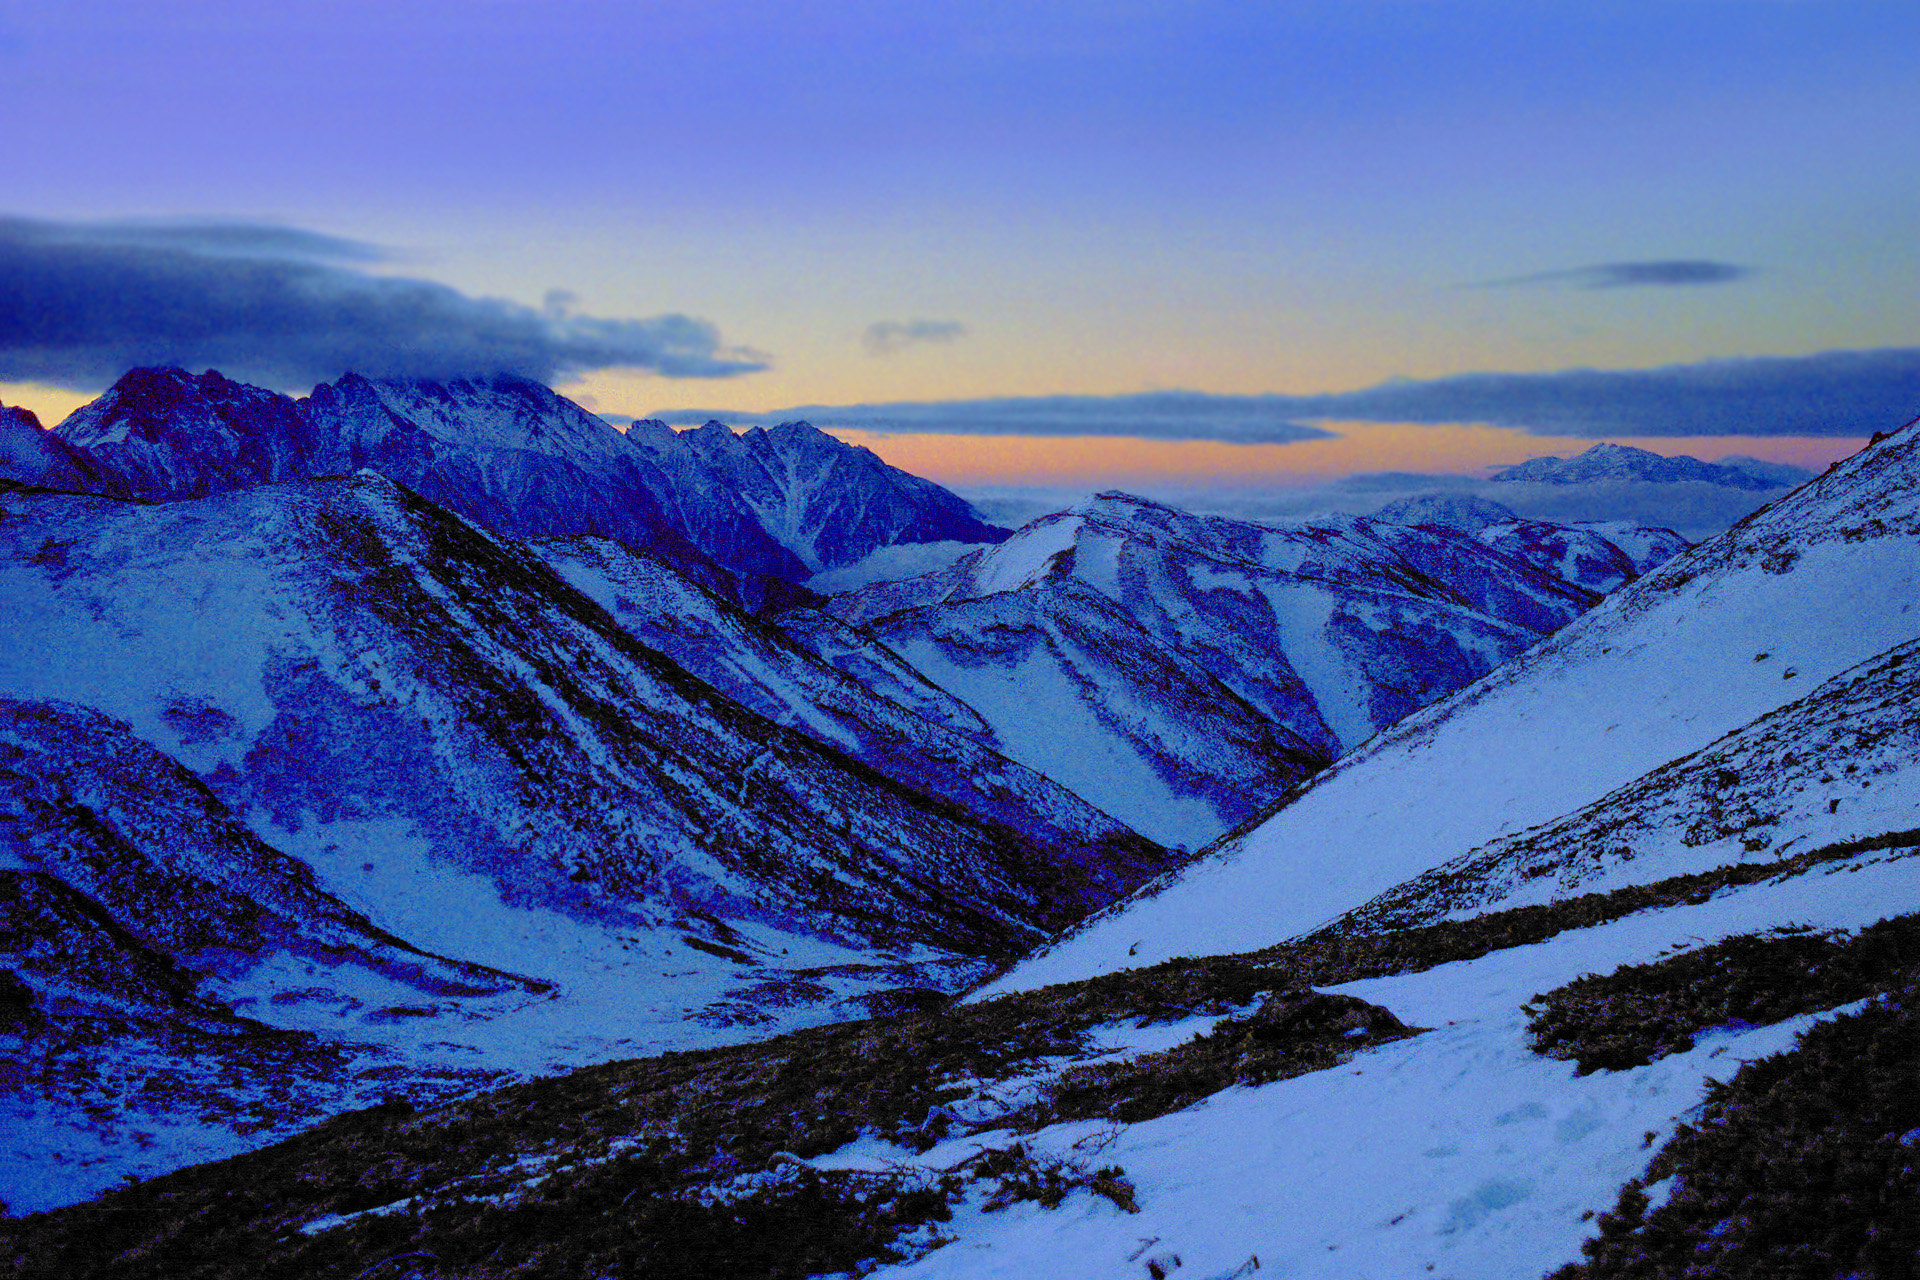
point(1302, 1011)
point(163, 434)
point(33, 456)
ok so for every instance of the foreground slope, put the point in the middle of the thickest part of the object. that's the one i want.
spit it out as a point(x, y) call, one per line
point(1207, 1116)
point(1739, 626)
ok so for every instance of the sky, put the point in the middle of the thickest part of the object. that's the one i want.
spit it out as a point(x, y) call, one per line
point(1318, 216)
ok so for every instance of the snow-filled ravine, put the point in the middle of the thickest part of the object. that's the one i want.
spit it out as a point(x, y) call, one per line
point(1456, 1153)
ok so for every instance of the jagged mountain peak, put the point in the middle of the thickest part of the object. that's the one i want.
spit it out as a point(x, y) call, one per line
point(498, 411)
point(164, 434)
point(14, 417)
point(149, 402)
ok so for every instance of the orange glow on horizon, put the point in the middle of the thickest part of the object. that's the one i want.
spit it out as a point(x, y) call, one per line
point(1096, 462)
point(1456, 449)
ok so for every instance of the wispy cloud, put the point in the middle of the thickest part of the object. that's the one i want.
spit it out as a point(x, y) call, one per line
point(1160, 415)
point(1833, 393)
point(889, 337)
point(80, 303)
point(1663, 273)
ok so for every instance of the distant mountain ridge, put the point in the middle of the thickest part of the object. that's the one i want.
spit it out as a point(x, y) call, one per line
point(1615, 462)
point(755, 515)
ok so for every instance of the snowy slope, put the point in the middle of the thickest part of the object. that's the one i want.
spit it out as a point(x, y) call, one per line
point(362, 771)
point(338, 654)
point(1841, 765)
point(1740, 626)
point(1599, 557)
point(1181, 671)
point(1457, 1152)
point(928, 744)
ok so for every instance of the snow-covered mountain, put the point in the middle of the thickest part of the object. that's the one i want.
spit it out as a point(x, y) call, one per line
point(33, 456)
point(164, 434)
point(1614, 462)
point(1466, 512)
point(1566, 740)
point(763, 511)
point(520, 459)
point(828, 503)
point(333, 655)
point(1181, 671)
point(891, 720)
point(1598, 556)
point(323, 759)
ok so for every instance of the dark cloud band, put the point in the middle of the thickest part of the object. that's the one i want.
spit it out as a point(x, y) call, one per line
point(1665, 273)
point(1834, 393)
point(80, 304)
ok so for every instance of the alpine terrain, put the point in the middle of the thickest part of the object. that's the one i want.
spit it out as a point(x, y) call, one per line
point(1181, 671)
point(453, 821)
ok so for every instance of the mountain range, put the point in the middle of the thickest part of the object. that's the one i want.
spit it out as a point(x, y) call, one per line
point(1180, 671)
point(517, 740)
point(753, 516)
point(324, 792)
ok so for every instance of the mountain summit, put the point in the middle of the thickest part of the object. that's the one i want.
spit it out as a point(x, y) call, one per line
point(1616, 462)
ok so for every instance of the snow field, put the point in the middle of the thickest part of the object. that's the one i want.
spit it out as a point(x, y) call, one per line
point(1456, 1153)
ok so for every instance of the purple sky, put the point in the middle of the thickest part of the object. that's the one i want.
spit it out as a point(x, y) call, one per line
point(859, 203)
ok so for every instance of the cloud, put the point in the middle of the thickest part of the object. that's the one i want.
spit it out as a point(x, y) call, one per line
point(1632, 275)
point(888, 337)
point(1833, 393)
point(1159, 415)
point(214, 239)
point(81, 303)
